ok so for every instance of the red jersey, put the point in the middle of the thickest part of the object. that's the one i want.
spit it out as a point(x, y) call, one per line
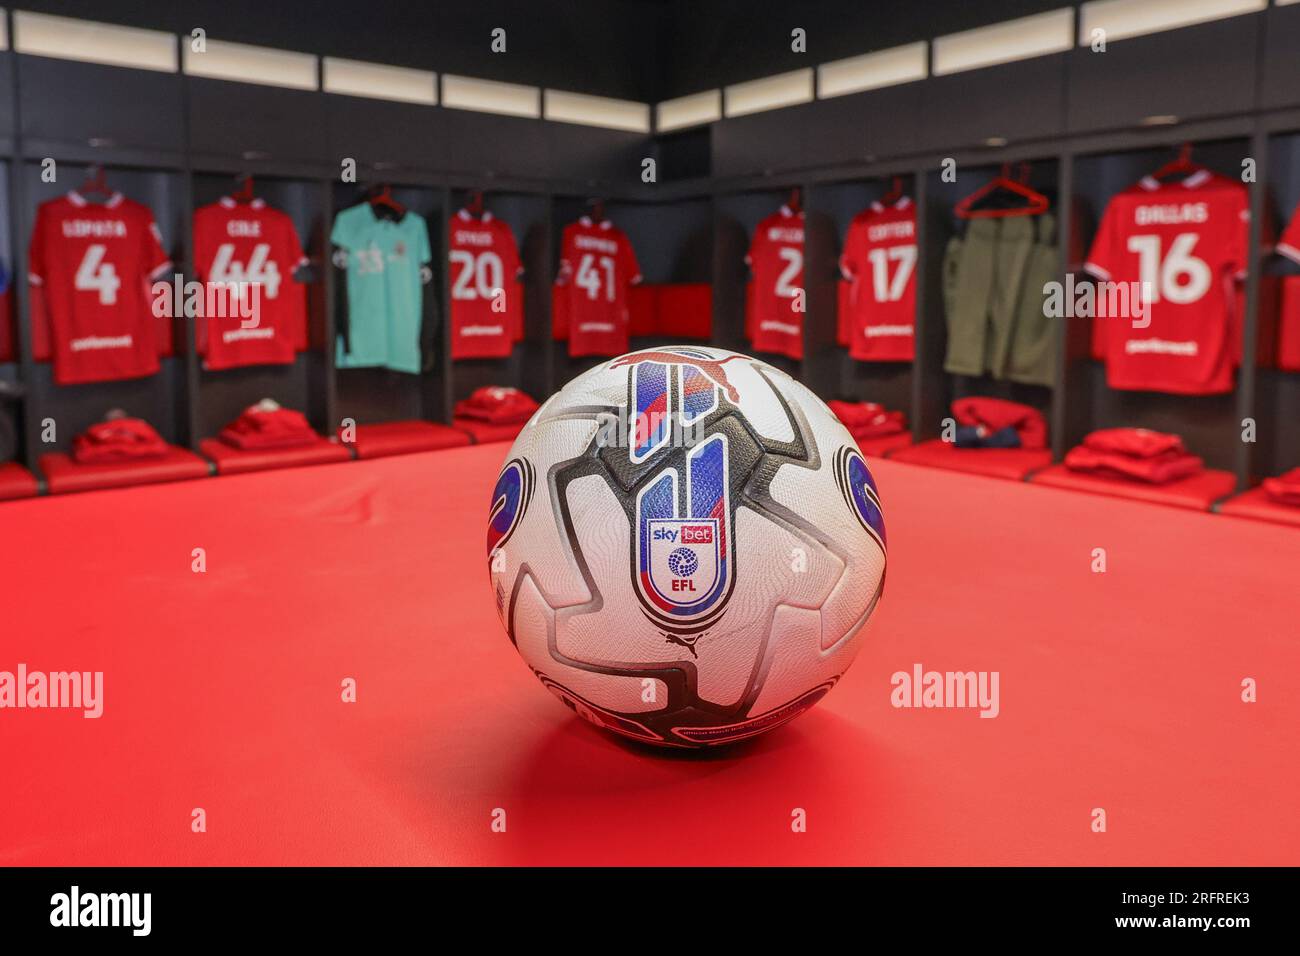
point(487, 309)
point(776, 259)
point(597, 266)
point(254, 244)
point(1185, 242)
point(879, 260)
point(94, 262)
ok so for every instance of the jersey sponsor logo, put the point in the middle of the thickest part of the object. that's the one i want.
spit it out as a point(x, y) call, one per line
point(95, 342)
point(1161, 347)
point(860, 493)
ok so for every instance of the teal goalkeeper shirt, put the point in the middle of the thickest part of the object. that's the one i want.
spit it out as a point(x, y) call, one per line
point(385, 294)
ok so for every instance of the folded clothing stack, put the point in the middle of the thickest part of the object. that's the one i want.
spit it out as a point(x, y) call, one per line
point(997, 423)
point(118, 438)
point(497, 405)
point(1134, 454)
point(266, 425)
point(1285, 489)
point(868, 419)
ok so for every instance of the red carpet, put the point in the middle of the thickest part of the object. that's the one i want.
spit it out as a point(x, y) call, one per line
point(1118, 690)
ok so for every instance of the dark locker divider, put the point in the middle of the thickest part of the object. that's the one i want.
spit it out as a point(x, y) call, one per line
point(224, 393)
point(1277, 395)
point(6, 102)
point(386, 137)
point(1194, 72)
point(828, 370)
point(370, 395)
point(1208, 423)
point(1025, 97)
point(1280, 69)
point(68, 105)
point(158, 399)
point(937, 387)
point(527, 367)
point(736, 215)
point(252, 123)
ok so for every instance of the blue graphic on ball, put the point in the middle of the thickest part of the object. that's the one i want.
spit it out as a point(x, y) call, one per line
point(683, 562)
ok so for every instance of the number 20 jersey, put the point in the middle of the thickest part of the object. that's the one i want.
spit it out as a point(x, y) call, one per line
point(93, 262)
point(1185, 242)
point(251, 243)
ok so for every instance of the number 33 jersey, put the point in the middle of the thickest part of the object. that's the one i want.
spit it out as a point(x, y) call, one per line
point(93, 262)
point(246, 254)
point(1184, 244)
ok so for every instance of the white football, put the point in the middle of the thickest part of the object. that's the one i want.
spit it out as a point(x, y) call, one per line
point(685, 545)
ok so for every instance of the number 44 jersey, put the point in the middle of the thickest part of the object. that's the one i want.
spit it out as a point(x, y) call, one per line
point(93, 262)
point(239, 246)
point(1184, 244)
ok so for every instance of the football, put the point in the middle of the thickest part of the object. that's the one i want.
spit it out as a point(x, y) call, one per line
point(685, 546)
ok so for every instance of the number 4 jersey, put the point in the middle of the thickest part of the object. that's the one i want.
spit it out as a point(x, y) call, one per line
point(1185, 243)
point(597, 266)
point(93, 262)
point(879, 259)
point(261, 316)
point(487, 311)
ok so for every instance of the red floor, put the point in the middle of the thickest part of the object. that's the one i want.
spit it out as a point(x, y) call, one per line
point(1118, 690)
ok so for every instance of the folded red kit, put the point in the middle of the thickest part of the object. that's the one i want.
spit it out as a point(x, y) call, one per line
point(262, 427)
point(1285, 489)
point(867, 419)
point(1136, 454)
point(497, 405)
point(994, 414)
point(117, 439)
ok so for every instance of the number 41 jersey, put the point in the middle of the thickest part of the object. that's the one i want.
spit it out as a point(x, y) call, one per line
point(597, 265)
point(93, 262)
point(1185, 243)
point(250, 243)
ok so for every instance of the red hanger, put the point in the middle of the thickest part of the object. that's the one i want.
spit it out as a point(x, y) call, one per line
point(95, 182)
point(245, 191)
point(1182, 166)
point(795, 202)
point(597, 207)
point(895, 192)
point(475, 205)
point(1036, 202)
point(383, 196)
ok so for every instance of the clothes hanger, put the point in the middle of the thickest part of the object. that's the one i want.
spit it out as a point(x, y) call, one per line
point(596, 210)
point(1035, 202)
point(244, 193)
point(96, 182)
point(895, 192)
point(381, 197)
point(1180, 167)
point(795, 202)
point(475, 204)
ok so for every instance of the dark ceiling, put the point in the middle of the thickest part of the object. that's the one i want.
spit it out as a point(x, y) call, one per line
point(645, 50)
